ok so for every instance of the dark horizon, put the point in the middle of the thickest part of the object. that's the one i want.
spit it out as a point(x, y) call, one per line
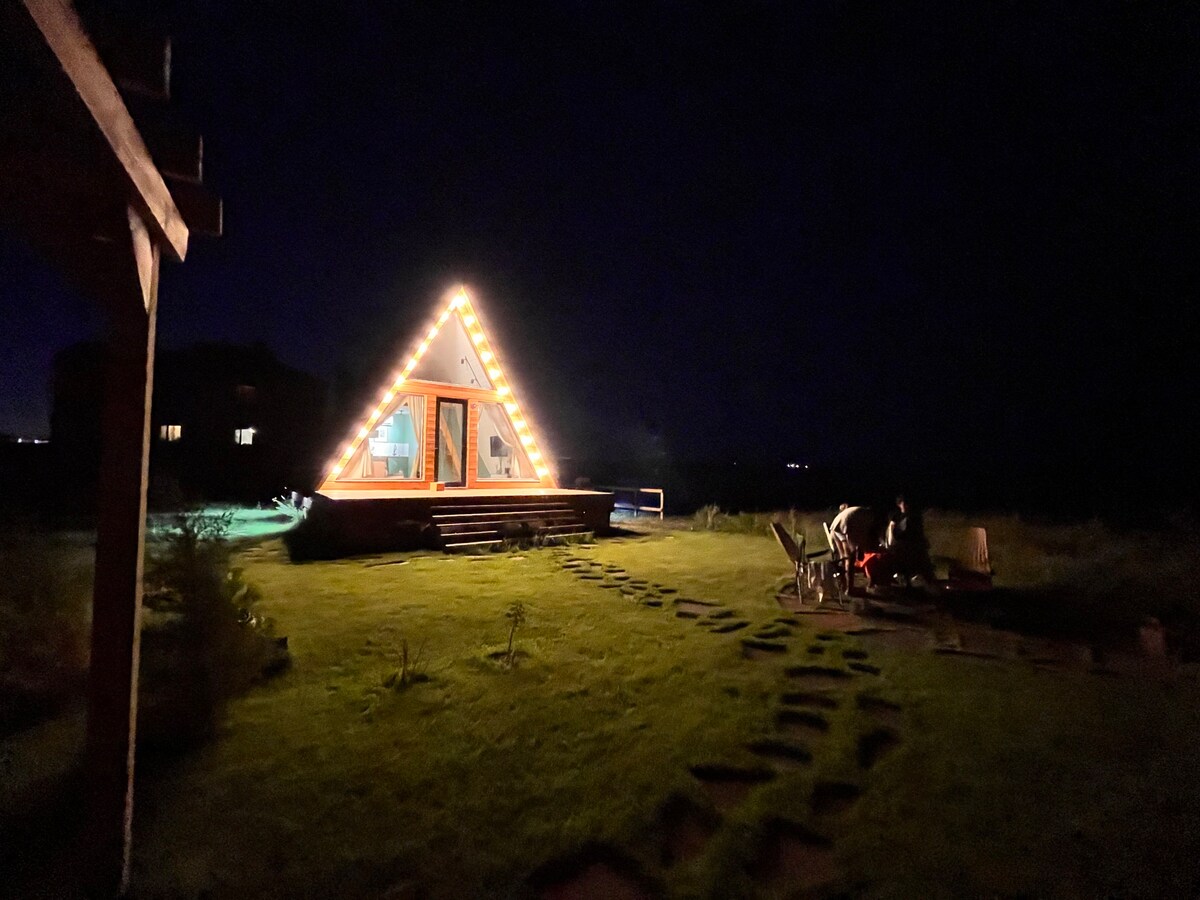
point(902, 239)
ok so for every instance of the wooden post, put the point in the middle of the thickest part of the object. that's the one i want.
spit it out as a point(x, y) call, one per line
point(117, 595)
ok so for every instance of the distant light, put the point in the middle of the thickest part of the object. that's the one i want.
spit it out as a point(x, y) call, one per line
point(503, 390)
point(486, 356)
point(477, 337)
point(468, 320)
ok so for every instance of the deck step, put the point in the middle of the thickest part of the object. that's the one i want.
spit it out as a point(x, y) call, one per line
point(488, 524)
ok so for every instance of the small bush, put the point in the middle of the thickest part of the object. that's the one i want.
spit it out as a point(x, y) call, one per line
point(516, 618)
point(409, 669)
point(203, 642)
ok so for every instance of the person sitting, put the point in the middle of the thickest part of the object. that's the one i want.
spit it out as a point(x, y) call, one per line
point(854, 533)
point(907, 545)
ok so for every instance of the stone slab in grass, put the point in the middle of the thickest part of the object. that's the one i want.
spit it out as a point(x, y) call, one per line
point(865, 668)
point(781, 752)
point(696, 607)
point(727, 627)
point(718, 614)
point(686, 614)
point(756, 649)
point(817, 675)
point(801, 723)
point(833, 798)
point(682, 829)
point(818, 699)
point(773, 632)
point(874, 745)
point(596, 870)
point(792, 860)
point(728, 785)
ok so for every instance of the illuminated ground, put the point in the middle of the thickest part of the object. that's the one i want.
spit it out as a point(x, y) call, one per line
point(678, 758)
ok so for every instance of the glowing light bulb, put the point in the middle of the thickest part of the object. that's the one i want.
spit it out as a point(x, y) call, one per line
point(469, 320)
point(542, 471)
point(510, 407)
point(503, 390)
point(362, 433)
point(520, 424)
point(486, 356)
point(526, 439)
point(389, 396)
point(336, 471)
point(375, 415)
point(443, 318)
point(424, 346)
point(432, 334)
point(477, 337)
point(459, 299)
point(535, 456)
point(493, 372)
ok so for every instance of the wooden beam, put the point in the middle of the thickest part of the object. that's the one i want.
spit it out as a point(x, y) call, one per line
point(201, 209)
point(64, 34)
point(117, 590)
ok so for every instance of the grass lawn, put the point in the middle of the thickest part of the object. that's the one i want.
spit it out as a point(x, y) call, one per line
point(918, 774)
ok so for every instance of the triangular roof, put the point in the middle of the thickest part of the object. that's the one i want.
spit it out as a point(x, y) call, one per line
point(454, 357)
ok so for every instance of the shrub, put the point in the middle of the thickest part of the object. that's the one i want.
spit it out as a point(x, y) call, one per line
point(202, 641)
point(409, 669)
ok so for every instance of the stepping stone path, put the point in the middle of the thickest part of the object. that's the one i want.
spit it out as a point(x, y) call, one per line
point(789, 857)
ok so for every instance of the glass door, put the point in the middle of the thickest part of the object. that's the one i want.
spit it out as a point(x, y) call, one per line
point(451, 442)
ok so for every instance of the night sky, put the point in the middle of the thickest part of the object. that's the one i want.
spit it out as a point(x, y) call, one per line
point(915, 234)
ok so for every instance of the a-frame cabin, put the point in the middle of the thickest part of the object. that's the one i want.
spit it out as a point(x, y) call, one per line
point(448, 446)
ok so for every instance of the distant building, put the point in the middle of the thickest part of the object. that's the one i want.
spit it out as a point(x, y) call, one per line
point(228, 423)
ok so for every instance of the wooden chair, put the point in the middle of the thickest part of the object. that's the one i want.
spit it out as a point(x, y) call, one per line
point(972, 569)
point(800, 560)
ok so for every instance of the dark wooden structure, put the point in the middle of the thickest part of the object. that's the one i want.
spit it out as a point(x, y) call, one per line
point(90, 190)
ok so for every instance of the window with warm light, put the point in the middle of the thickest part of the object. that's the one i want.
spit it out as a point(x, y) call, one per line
point(394, 445)
point(243, 436)
point(170, 432)
point(502, 453)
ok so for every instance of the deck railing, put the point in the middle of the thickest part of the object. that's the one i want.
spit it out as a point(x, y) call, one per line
point(630, 498)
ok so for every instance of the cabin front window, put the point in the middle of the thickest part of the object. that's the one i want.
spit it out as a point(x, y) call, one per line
point(501, 456)
point(393, 449)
